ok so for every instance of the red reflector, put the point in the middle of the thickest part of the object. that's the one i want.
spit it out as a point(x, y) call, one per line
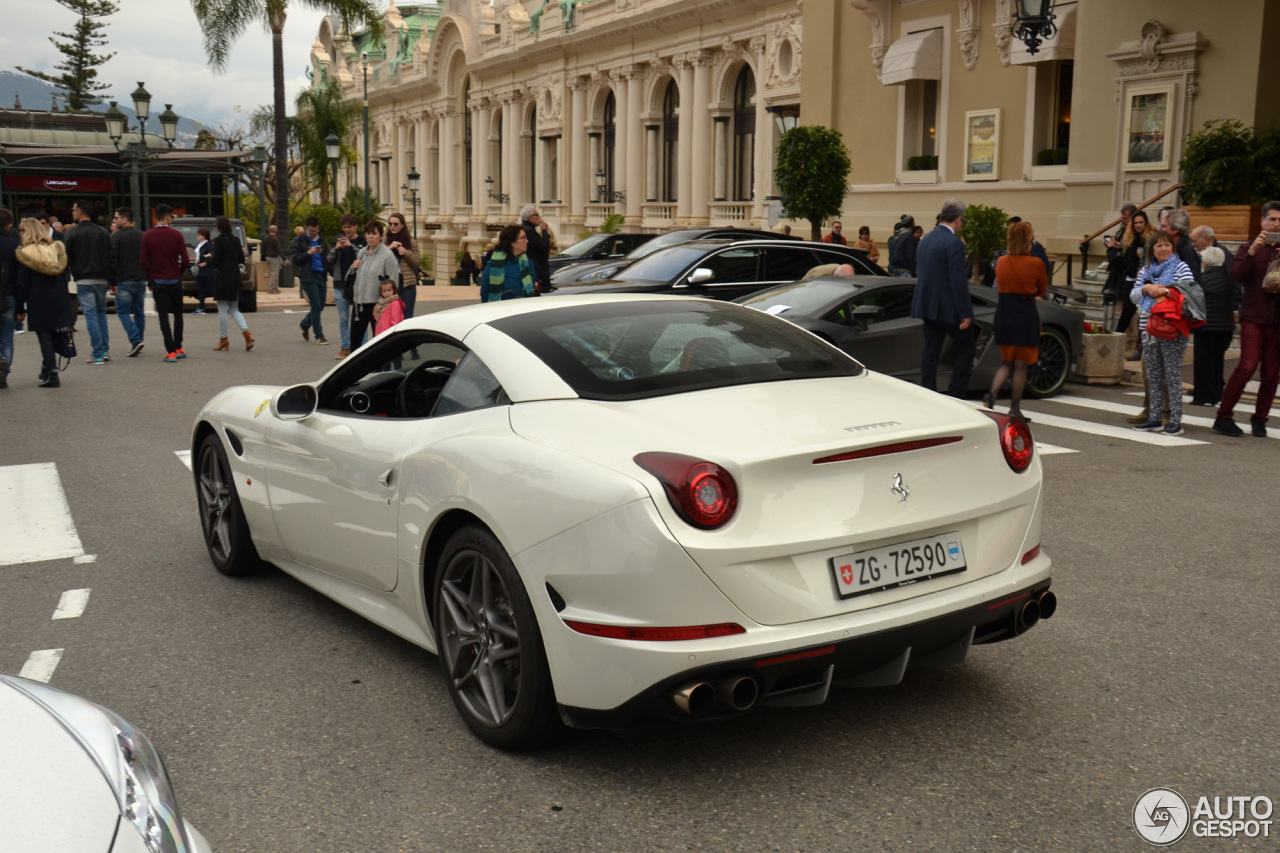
point(1000, 604)
point(1031, 555)
point(624, 632)
point(886, 449)
point(811, 653)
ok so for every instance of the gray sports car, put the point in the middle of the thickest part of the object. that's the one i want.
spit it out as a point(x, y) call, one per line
point(869, 317)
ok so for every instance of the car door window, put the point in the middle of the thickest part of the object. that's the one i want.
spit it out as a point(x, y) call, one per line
point(896, 302)
point(788, 264)
point(732, 265)
point(471, 386)
point(842, 315)
point(372, 382)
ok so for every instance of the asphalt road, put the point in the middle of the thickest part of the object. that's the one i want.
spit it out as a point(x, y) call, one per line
point(290, 724)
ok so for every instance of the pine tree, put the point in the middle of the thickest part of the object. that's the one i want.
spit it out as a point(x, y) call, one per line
point(78, 80)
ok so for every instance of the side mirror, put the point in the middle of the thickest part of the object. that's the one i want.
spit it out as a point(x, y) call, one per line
point(701, 275)
point(294, 404)
point(868, 311)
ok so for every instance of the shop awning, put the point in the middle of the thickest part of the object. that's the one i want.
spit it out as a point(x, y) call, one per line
point(1061, 46)
point(917, 56)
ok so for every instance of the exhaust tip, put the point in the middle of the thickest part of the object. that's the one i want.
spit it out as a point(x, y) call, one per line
point(1027, 616)
point(1048, 604)
point(697, 697)
point(738, 692)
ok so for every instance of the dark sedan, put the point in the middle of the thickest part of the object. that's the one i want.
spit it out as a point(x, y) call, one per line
point(725, 269)
point(600, 270)
point(599, 248)
point(870, 318)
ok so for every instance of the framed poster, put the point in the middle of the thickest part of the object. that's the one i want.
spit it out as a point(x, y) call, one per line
point(1148, 112)
point(982, 145)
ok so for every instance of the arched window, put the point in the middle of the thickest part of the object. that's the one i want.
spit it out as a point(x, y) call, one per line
point(670, 141)
point(466, 142)
point(610, 141)
point(744, 135)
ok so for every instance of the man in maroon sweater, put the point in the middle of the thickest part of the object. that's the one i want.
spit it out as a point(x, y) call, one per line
point(164, 257)
point(1259, 328)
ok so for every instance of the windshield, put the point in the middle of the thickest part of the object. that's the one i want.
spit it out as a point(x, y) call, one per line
point(664, 266)
point(662, 241)
point(582, 247)
point(801, 299)
point(623, 350)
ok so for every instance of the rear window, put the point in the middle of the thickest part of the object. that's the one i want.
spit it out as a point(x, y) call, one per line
point(624, 350)
point(190, 232)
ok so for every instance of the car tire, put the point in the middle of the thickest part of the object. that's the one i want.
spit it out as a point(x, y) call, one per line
point(226, 533)
point(1047, 376)
point(489, 644)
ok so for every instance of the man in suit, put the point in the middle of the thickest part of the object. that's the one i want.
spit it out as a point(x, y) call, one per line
point(942, 299)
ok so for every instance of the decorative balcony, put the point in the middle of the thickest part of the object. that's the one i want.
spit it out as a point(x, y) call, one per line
point(658, 215)
point(731, 213)
point(596, 213)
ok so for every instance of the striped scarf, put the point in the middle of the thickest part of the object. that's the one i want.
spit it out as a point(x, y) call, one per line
point(498, 275)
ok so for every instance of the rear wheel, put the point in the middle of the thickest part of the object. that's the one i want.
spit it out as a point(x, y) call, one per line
point(1047, 376)
point(489, 644)
point(226, 533)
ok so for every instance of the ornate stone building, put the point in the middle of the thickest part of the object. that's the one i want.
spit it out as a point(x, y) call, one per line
point(665, 111)
point(937, 98)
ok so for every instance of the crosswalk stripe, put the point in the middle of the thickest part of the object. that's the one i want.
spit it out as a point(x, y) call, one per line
point(1052, 449)
point(36, 524)
point(72, 604)
point(1120, 408)
point(40, 665)
point(1045, 419)
point(185, 456)
point(1186, 398)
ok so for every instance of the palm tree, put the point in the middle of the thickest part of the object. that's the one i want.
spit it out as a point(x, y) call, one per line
point(322, 111)
point(222, 22)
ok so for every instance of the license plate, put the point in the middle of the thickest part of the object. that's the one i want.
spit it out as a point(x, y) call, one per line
point(898, 565)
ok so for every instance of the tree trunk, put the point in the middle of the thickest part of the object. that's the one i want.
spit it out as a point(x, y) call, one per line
point(815, 230)
point(282, 135)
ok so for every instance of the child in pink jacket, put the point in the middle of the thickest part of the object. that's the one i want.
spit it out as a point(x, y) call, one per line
point(390, 309)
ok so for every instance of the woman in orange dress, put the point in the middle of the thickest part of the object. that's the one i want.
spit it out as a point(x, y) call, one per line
point(1021, 279)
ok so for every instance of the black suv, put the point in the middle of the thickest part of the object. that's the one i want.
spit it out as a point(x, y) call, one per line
point(725, 269)
point(598, 271)
point(188, 226)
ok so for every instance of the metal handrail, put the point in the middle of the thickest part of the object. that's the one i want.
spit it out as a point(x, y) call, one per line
point(1142, 206)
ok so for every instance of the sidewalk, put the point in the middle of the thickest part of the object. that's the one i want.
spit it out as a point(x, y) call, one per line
point(290, 297)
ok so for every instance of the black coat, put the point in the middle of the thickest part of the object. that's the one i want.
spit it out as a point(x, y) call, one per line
point(1220, 294)
point(43, 298)
point(539, 253)
point(228, 255)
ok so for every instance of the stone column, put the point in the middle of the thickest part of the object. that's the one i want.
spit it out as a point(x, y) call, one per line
point(520, 141)
point(431, 178)
point(448, 164)
point(481, 149)
point(635, 146)
point(701, 132)
point(721, 155)
point(620, 136)
point(763, 143)
point(579, 159)
point(684, 146)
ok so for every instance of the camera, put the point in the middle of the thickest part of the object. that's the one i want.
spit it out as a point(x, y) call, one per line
point(1272, 236)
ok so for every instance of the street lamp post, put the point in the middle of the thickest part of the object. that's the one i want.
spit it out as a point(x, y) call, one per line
point(333, 147)
point(1033, 23)
point(500, 198)
point(411, 198)
point(137, 153)
point(606, 195)
point(364, 64)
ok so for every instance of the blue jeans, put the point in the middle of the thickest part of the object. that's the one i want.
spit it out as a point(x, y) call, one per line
point(344, 316)
point(313, 286)
point(93, 304)
point(409, 296)
point(131, 300)
point(6, 332)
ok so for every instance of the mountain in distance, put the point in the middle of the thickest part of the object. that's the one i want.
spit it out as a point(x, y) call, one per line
point(38, 95)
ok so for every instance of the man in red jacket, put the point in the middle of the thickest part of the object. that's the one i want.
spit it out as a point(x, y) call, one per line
point(163, 257)
point(1259, 328)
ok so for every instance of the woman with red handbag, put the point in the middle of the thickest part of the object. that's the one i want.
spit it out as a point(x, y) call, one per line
point(1164, 331)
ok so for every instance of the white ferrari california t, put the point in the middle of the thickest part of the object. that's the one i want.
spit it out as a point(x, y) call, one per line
point(604, 511)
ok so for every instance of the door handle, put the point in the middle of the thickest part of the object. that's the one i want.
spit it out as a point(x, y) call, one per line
point(385, 478)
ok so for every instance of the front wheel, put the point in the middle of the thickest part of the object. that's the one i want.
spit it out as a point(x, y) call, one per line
point(489, 644)
point(226, 533)
point(1047, 376)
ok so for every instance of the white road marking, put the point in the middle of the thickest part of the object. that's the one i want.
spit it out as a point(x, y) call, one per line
point(185, 456)
point(1041, 418)
point(40, 665)
point(1121, 408)
point(36, 524)
point(86, 558)
point(1052, 449)
point(1242, 406)
point(72, 604)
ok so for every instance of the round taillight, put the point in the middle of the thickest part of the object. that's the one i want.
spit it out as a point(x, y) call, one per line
point(1015, 440)
point(703, 493)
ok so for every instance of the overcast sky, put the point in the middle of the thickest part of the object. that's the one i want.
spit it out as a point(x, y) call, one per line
point(161, 44)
